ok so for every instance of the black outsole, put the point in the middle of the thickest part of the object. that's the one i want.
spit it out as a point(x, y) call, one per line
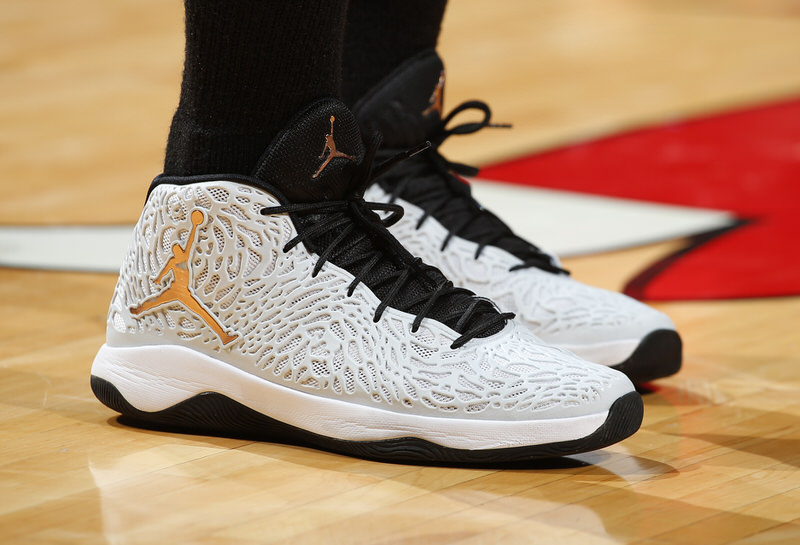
point(217, 415)
point(659, 355)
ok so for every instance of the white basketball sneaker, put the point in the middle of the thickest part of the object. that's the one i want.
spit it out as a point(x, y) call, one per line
point(446, 227)
point(294, 316)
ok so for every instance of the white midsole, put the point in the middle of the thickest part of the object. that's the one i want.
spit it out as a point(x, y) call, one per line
point(153, 378)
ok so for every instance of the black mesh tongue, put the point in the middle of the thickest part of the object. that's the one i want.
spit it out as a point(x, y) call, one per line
point(314, 160)
point(407, 105)
point(314, 157)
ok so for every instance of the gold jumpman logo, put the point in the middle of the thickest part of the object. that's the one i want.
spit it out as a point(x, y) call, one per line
point(435, 102)
point(178, 290)
point(330, 147)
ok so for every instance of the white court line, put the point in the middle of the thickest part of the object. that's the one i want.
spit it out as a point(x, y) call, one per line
point(563, 222)
point(92, 248)
point(571, 224)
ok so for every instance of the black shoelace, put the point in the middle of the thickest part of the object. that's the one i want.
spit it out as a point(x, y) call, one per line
point(350, 233)
point(431, 182)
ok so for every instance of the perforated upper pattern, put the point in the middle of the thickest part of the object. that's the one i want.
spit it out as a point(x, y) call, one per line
point(306, 333)
point(555, 307)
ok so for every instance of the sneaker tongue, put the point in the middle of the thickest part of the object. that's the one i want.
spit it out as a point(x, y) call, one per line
point(406, 105)
point(314, 157)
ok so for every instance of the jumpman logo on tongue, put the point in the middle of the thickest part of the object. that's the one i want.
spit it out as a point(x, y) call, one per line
point(330, 149)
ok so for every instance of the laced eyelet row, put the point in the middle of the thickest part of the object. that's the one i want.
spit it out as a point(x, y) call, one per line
point(355, 221)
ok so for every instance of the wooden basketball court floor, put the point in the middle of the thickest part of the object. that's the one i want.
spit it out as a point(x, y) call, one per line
point(87, 89)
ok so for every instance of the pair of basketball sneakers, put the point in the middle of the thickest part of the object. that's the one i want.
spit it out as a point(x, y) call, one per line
point(289, 306)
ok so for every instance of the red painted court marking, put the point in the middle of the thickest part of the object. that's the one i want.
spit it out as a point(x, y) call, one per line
point(745, 162)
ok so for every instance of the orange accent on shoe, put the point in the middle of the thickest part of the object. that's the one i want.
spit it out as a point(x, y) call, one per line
point(179, 290)
point(330, 147)
point(435, 102)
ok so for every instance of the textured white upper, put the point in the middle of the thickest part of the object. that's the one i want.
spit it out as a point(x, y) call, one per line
point(307, 334)
point(596, 324)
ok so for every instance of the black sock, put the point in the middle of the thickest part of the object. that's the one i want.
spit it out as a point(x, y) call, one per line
point(381, 35)
point(250, 66)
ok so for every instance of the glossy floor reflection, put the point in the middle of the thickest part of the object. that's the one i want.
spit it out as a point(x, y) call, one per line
point(707, 467)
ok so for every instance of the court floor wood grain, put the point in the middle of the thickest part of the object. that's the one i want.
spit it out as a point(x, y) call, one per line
point(86, 93)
